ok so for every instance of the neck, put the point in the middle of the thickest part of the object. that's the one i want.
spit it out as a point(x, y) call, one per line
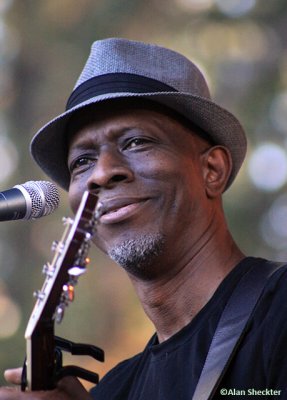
point(172, 300)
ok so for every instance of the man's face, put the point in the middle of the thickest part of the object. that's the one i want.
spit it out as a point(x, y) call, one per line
point(146, 169)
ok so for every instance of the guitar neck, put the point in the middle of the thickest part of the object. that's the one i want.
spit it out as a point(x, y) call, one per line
point(40, 362)
point(69, 262)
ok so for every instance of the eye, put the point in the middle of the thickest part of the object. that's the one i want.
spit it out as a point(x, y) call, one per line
point(81, 163)
point(135, 143)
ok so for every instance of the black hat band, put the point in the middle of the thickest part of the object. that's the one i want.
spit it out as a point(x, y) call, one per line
point(115, 83)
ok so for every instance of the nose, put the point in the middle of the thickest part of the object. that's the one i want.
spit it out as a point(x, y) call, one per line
point(110, 170)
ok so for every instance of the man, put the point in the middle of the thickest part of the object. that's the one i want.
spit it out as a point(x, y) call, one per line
point(141, 132)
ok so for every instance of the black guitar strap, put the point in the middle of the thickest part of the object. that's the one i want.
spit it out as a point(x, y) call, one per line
point(232, 327)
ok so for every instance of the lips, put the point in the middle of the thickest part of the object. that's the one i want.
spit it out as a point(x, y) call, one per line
point(119, 209)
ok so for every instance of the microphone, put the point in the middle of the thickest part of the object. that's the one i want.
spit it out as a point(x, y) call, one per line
point(33, 199)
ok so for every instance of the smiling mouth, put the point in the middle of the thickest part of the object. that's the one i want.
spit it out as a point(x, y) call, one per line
point(119, 210)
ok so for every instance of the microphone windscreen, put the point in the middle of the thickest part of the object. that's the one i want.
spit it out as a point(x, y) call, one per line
point(42, 198)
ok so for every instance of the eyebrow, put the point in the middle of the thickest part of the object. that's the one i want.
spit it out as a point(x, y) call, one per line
point(116, 132)
point(85, 143)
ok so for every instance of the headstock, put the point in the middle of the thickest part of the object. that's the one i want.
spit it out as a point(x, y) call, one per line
point(68, 264)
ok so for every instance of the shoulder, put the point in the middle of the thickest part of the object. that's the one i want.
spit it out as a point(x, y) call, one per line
point(269, 318)
point(276, 284)
point(263, 275)
point(269, 325)
point(274, 293)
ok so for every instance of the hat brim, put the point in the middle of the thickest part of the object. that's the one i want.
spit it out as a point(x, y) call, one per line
point(48, 145)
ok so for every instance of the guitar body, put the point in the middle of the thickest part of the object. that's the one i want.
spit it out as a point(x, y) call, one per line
point(69, 262)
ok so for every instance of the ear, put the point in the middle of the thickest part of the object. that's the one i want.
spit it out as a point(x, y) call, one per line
point(217, 165)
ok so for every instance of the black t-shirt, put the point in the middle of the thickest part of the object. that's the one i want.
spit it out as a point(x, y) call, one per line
point(170, 370)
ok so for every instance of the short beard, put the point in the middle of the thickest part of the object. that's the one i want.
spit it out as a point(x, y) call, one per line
point(137, 255)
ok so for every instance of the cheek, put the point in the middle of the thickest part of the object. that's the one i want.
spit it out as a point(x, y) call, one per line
point(157, 166)
point(75, 195)
point(174, 172)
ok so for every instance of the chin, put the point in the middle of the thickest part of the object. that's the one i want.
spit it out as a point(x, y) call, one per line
point(139, 253)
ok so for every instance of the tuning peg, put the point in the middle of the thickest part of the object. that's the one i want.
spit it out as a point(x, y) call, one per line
point(57, 246)
point(59, 313)
point(76, 271)
point(67, 221)
point(39, 295)
point(67, 296)
point(99, 211)
point(48, 270)
point(69, 292)
point(88, 236)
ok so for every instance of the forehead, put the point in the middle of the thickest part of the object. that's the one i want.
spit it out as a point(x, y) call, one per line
point(118, 116)
point(112, 126)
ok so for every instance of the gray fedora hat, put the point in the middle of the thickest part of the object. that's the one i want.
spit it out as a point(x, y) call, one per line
point(120, 68)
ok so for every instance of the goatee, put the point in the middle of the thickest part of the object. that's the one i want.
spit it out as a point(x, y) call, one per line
point(137, 255)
